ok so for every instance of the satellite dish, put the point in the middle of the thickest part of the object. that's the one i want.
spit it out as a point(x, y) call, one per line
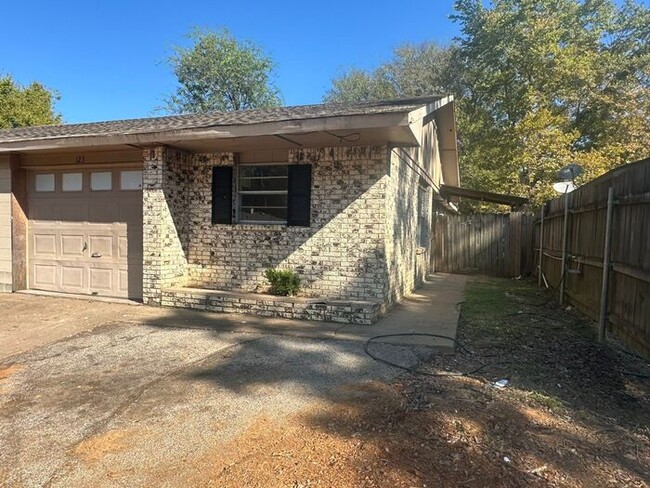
point(564, 186)
point(565, 178)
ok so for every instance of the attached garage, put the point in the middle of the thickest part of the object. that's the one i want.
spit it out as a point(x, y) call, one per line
point(84, 231)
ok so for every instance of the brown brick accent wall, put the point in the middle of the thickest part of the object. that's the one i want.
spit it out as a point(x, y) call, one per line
point(341, 255)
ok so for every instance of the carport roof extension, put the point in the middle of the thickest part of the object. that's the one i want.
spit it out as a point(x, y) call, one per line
point(212, 120)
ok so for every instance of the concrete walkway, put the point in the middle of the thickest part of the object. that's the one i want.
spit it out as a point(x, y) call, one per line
point(32, 321)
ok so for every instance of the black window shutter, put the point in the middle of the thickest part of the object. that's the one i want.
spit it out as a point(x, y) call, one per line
point(299, 197)
point(222, 195)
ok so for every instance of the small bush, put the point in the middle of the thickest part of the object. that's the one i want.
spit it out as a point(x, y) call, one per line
point(284, 282)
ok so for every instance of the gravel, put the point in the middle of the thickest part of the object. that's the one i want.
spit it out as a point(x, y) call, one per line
point(129, 398)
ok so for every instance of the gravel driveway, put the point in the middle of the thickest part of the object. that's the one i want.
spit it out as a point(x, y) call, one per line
point(137, 405)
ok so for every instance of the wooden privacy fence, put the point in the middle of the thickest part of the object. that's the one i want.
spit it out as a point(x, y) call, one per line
point(623, 304)
point(490, 244)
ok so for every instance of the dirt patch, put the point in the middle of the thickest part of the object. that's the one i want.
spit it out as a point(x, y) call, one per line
point(95, 448)
point(569, 417)
point(10, 370)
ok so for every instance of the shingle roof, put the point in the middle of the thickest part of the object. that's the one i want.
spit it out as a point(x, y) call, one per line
point(212, 119)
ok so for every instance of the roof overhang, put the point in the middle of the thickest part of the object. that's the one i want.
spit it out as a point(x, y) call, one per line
point(447, 191)
point(447, 140)
point(367, 129)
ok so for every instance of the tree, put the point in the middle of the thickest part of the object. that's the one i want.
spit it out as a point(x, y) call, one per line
point(26, 105)
point(415, 70)
point(220, 73)
point(548, 82)
point(538, 84)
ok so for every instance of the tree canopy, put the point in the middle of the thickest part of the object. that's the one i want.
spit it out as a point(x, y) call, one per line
point(415, 70)
point(26, 105)
point(539, 84)
point(218, 72)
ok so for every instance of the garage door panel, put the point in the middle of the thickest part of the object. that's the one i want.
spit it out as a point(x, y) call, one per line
point(102, 245)
point(72, 245)
point(101, 279)
point(73, 277)
point(103, 213)
point(44, 211)
point(44, 245)
point(123, 277)
point(122, 247)
point(130, 212)
point(73, 214)
point(44, 275)
point(66, 228)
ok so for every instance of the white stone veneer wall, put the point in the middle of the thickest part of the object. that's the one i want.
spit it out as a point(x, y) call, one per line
point(164, 194)
point(407, 262)
point(362, 243)
point(341, 255)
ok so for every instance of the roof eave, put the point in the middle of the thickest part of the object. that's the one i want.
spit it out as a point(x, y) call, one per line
point(443, 110)
point(350, 122)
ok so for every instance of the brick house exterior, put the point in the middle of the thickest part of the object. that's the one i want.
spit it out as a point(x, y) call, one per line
point(362, 241)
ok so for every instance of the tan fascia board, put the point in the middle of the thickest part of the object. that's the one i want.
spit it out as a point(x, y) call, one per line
point(352, 122)
point(415, 117)
point(453, 150)
point(429, 108)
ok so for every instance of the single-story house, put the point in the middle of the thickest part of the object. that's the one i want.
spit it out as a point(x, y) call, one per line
point(190, 210)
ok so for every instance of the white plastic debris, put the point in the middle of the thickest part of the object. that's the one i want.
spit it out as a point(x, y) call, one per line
point(506, 459)
point(500, 383)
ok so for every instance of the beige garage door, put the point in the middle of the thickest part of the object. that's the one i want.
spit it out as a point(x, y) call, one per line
point(85, 232)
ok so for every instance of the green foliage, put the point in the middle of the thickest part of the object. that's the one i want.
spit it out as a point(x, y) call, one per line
point(359, 86)
point(538, 84)
point(415, 70)
point(284, 282)
point(218, 72)
point(548, 82)
point(26, 105)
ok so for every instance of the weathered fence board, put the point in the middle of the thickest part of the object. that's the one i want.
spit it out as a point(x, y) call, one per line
point(490, 244)
point(629, 282)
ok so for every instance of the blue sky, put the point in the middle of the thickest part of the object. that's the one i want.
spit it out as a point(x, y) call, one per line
point(107, 59)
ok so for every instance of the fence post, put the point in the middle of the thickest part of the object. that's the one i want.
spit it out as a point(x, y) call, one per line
point(541, 246)
point(602, 321)
point(565, 234)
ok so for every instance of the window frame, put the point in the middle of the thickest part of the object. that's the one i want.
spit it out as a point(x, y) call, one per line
point(239, 193)
point(424, 230)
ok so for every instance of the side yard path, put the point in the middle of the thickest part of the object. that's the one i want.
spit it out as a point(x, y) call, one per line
point(573, 413)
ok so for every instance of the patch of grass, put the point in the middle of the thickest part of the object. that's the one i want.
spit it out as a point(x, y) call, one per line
point(547, 401)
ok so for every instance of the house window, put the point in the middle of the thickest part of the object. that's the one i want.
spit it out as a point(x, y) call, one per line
point(262, 193)
point(423, 221)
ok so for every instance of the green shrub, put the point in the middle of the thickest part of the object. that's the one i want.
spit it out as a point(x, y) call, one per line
point(284, 282)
